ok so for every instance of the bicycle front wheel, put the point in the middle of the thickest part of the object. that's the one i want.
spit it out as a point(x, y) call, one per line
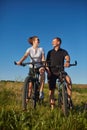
point(64, 98)
point(25, 92)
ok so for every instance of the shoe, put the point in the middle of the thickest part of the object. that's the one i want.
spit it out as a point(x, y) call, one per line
point(27, 99)
point(41, 96)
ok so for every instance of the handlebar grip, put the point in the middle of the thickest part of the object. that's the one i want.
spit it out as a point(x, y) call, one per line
point(15, 63)
point(22, 64)
point(75, 62)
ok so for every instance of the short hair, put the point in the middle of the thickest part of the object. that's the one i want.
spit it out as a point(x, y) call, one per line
point(59, 39)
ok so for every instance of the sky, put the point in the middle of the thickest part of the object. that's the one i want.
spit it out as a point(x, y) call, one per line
point(21, 19)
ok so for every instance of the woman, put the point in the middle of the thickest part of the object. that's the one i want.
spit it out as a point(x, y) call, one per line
point(36, 54)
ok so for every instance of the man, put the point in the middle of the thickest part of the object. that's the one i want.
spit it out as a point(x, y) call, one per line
point(57, 57)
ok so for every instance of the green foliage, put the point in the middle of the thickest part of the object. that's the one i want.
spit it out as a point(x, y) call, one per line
point(42, 118)
point(38, 120)
point(80, 90)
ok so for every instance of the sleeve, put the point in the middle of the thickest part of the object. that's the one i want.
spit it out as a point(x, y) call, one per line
point(28, 50)
point(48, 56)
point(66, 53)
point(42, 50)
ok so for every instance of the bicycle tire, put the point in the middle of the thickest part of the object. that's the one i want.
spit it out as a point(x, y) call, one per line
point(64, 100)
point(59, 99)
point(25, 92)
point(35, 95)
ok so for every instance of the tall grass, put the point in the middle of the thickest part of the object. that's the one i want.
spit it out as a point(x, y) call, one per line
point(42, 118)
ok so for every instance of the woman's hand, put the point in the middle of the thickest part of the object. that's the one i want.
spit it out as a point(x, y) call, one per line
point(18, 63)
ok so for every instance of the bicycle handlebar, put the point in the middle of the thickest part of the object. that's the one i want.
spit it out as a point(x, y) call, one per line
point(59, 67)
point(32, 63)
point(42, 62)
point(74, 64)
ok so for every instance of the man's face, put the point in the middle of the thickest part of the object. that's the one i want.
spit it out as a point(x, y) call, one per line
point(55, 43)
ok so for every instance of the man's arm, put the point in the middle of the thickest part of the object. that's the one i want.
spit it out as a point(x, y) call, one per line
point(67, 61)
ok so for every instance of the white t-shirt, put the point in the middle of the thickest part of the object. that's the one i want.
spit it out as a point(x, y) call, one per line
point(35, 55)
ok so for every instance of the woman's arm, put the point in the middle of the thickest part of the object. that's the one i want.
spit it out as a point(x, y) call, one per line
point(43, 57)
point(22, 59)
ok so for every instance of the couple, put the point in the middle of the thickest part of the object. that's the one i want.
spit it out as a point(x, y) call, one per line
point(56, 56)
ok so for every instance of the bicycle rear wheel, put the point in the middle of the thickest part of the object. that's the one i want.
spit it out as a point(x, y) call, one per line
point(65, 99)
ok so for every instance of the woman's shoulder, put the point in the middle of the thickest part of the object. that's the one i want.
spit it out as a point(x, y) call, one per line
point(28, 49)
point(40, 48)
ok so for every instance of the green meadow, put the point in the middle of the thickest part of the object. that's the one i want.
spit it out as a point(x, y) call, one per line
point(42, 118)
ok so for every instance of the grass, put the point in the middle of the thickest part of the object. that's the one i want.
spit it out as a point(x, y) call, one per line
point(43, 118)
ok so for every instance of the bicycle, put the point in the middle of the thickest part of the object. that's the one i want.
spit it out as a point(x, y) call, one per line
point(63, 101)
point(34, 78)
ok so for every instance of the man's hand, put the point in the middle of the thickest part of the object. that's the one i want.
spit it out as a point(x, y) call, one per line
point(66, 64)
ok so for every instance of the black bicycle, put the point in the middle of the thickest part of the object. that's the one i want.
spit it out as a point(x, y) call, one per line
point(34, 78)
point(63, 101)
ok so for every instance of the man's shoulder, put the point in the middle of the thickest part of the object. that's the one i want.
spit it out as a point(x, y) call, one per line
point(65, 52)
point(50, 50)
point(62, 49)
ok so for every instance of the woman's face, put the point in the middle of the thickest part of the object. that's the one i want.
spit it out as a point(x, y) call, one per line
point(36, 42)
